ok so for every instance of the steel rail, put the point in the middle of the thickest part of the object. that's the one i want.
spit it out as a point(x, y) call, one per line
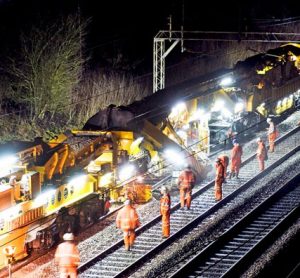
point(235, 249)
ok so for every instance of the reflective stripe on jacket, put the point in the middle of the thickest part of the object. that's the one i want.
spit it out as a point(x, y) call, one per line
point(165, 204)
point(67, 254)
point(186, 177)
point(236, 153)
point(127, 218)
point(261, 151)
point(219, 171)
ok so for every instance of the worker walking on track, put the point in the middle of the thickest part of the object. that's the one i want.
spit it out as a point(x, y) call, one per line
point(128, 220)
point(67, 257)
point(261, 154)
point(236, 159)
point(225, 161)
point(186, 182)
point(272, 134)
point(219, 179)
point(165, 210)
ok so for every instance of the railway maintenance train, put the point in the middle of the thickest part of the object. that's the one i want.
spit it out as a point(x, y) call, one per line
point(49, 188)
point(199, 113)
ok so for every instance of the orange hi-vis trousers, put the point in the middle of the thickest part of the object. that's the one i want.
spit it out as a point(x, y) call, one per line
point(185, 195)
point(68, 272)
point(261, 163)
point(272, 138)
point(129, 237)
point(218, 190)
point(165, 219)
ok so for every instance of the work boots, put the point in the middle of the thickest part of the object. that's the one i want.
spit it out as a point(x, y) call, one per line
point(231, 175)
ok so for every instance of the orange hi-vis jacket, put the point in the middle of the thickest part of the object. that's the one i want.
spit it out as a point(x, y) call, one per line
point(165, 204)
point(219, 181)
point(272, 135)
point(225, 161)
point(67, 254)
point(165, 211)
point(127, 218)
point(186, 178)
point(220, 172)
point(236, 156)
point(272, 132)
point(236, 152)
point(261, 151)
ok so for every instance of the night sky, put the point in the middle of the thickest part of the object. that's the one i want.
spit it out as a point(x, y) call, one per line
point(131, 25)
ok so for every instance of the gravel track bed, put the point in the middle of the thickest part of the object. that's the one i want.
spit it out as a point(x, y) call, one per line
point(101, 235)
point(179, 252)
point(265, 260)
point(167, 262)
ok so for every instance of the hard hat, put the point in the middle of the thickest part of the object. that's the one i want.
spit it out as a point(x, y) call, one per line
point(234, 141)
point(68, 236)
point(127, 202)
point(258, 139)
point(188, 166)
point(269, 120)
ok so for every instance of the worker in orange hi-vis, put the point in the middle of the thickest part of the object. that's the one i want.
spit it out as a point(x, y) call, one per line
point(186, 182)
point(261, 153)
point(219, 179)
point(107, 205)
point(67, 257)
point(236, 159)
point(165, 210)
point(272, 134)
point(225, 161)
point(128, 220)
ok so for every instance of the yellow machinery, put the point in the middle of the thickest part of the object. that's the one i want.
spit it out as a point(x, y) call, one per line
point(208, 113)
point(49, 188)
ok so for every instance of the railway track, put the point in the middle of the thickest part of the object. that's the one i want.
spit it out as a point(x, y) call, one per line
point(116, 262)
point(237, 248)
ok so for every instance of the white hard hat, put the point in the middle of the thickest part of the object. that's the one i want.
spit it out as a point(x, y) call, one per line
point(127, 202)
point(68, 236)
point(269, 120)
point(258, 139)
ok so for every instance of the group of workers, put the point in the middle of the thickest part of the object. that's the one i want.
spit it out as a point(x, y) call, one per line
point(236, 158)
point(128, 220)
point(262, 152)
point(67, 254)
point(221, 165)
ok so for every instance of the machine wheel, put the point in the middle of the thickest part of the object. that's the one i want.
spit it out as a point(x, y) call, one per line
point(85, 218)
point(46, 239)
